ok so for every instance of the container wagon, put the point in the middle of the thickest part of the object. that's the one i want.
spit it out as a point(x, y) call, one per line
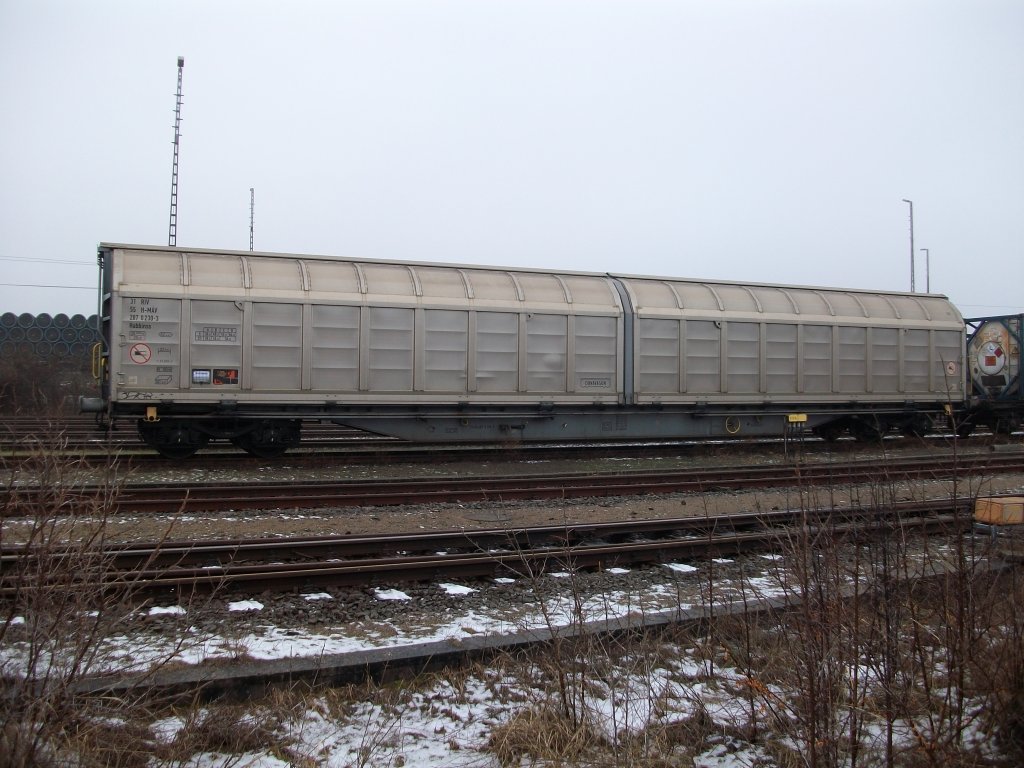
point(996, 389)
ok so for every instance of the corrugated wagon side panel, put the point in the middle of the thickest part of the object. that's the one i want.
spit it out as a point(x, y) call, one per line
point(497, 351)
point(780, 358)
point(851, 359)
point(390, 349)
point(916, 359)
point(150, 343)
point(276, 346)
point(546, 353)
point(885, 361)
point(743, 358)
point(446, 348)
point(657, 356)
point(595, 360)
point(947, 363)
point(335, 348)
point(703, 357)
point(215, 347)
point(816, 359)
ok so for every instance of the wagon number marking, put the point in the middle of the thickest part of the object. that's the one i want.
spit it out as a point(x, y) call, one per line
point(140, 353)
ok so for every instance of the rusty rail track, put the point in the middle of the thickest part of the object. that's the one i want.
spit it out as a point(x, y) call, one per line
point(177, 568)
point(77, 435)
point(308, 495)
point(77, 438)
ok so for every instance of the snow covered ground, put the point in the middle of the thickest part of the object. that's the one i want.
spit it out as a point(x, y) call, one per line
point(445, 725)
point(453, 720)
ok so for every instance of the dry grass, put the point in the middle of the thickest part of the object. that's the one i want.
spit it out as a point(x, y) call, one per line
point(226, 728)
point(544, 733)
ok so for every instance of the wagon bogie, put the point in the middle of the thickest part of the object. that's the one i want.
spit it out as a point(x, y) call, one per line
point(174, 438)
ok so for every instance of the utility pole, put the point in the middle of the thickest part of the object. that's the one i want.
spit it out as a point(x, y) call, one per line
point(252, 212)
point(172, 230)
point(927, 270)
point(911, 204)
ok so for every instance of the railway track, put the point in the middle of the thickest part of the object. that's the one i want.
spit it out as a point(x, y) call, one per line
point(190, 497)
point(184, 568)
point(78, 439)
point(79, 436)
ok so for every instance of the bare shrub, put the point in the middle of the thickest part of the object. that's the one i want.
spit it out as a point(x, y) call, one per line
point(898, 647)
point(61, 615)
point(996, 668)
point(891, 632)
point(31, 385)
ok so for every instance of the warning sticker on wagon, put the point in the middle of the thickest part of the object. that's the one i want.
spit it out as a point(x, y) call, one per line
point(140, 354)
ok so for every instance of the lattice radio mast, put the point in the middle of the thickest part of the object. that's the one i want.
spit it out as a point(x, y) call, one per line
point(252, 212)
point(172, 231)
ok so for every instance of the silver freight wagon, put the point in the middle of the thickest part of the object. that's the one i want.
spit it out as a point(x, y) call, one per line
point(244, 346)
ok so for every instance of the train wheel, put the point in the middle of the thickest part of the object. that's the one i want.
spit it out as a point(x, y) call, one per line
point(917, 426)
point(867, 430)
point(269, 439)
point(830, 432)
point(172, 439)
point(962, 428)
point(1006, 425)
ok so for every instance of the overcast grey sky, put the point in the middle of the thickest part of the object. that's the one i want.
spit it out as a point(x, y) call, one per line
point(758, 140)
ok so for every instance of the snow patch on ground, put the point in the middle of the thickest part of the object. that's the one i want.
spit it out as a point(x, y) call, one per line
point(390, 594)
point(242, 606)
point(168, 610)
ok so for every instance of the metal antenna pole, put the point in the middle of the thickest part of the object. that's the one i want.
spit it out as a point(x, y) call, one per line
point(252, 212)
point(172, 230)
point(911, 204)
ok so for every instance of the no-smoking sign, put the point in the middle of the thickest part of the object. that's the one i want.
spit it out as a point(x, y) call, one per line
point(140, 353)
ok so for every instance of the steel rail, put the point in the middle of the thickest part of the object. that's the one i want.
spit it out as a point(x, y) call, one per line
point(219, 551)
point(358, 560)
point(241, 496)
point(71, 435)
point(79, 440)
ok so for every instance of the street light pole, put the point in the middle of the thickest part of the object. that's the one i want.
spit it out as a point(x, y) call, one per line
point(911, 204)
point(927, 270)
